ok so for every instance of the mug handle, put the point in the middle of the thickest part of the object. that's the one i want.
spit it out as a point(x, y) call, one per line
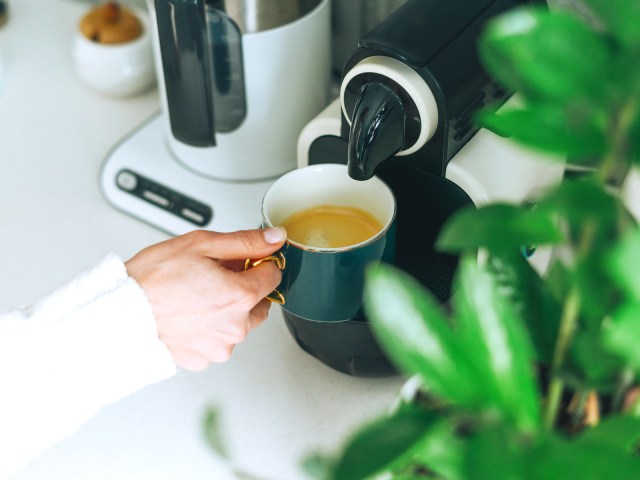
point(279, 259)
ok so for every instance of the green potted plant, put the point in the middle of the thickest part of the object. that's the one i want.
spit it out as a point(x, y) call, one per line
point(529, 375)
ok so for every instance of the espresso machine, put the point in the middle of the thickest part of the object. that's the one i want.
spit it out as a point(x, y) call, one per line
point(238, 80)
point(408, 94)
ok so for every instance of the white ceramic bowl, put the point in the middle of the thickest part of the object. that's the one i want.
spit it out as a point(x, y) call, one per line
point(117, 70)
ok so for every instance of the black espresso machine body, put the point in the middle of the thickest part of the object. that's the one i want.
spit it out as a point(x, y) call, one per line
point(407, 98)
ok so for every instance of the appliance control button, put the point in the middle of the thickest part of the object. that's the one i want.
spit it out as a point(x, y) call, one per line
point(163, 197)
point(462, 131)
point(156, 198)
point(499, 92)
point(473, 106)
point(195, 216)
point(127, 180)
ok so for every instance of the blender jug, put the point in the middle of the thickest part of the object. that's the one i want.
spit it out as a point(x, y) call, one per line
point(227, 70)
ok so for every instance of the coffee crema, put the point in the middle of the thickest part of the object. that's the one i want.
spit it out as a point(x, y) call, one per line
point(331, 226)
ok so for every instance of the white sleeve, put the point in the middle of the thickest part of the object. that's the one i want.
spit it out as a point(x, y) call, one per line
point(88, 344)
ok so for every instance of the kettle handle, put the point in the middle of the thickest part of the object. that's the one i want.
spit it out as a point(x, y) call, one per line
point(182, 32)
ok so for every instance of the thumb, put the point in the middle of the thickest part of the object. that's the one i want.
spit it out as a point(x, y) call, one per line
point(244, 243)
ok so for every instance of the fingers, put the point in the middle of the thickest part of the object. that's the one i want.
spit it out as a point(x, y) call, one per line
point(238, 245)
point(189, 360)
point(214, 303)
point(215, 350)
point(233, 265)
point(197, 361)
point(259, 281)
point(259, 313)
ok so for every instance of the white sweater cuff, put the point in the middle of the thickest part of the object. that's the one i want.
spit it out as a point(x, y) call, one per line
point(88, 344)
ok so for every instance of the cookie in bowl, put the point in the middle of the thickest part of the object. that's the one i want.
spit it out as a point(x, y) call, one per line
point(112, 50)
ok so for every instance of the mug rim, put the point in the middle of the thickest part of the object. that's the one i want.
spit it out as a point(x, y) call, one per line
point(347, 248)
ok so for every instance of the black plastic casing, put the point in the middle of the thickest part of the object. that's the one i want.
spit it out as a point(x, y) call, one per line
point(438, 40)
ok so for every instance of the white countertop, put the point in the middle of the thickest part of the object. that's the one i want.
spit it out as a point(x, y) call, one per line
point(277, 402)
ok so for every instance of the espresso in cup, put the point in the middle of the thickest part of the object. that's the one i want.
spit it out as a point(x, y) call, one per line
point(331, 226)
point(336, 226)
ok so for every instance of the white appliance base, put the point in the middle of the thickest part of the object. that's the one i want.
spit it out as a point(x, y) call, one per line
point(141, 177)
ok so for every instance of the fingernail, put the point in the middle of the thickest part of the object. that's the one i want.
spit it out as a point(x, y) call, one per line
point(275, 234)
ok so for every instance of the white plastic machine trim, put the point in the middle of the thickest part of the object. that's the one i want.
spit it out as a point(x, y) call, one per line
point(326, 123)
point(411, 82)
point(489, 168)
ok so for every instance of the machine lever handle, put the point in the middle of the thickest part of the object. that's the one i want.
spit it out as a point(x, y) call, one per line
point(377, 129)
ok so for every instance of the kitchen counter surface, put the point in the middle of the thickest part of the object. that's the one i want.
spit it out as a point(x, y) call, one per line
point(277, 403)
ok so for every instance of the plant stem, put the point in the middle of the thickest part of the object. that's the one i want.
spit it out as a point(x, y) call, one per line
point(568, 323)
point(626, 381)
point(615, 166)
point(580, 403)
point(634, 407)
point(617, 161)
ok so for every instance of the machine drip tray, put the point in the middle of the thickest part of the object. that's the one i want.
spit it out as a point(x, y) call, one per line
point(350, 346)
point(434, 270)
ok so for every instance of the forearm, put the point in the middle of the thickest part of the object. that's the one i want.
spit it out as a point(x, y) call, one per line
point(89, 344)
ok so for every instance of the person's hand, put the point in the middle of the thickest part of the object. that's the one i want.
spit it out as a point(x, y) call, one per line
point(203, 300)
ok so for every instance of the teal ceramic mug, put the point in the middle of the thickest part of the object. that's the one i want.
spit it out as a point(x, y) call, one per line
point(325, 284)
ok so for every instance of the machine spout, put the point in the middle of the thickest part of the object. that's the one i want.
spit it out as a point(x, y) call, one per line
point(377, 129)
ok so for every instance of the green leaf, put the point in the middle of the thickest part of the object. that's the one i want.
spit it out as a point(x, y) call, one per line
point(622, 18)
point(594, 219)
point(442, 450)
point(584, 200)
point(615, 431)
point(550, 55)
point(213, 432)
point(558, 280)
point(383, 443)
point(486, 364)
point(599, 296)
point(319, 466)
point(531, 298)
point(621, 335)
point(583, 371)
point(622, 263)
point(494, 454)
point(497, 227)
point(634, 141)
point(411, 327)
point(549, 128)
point(495, 339)
point(555, 458)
